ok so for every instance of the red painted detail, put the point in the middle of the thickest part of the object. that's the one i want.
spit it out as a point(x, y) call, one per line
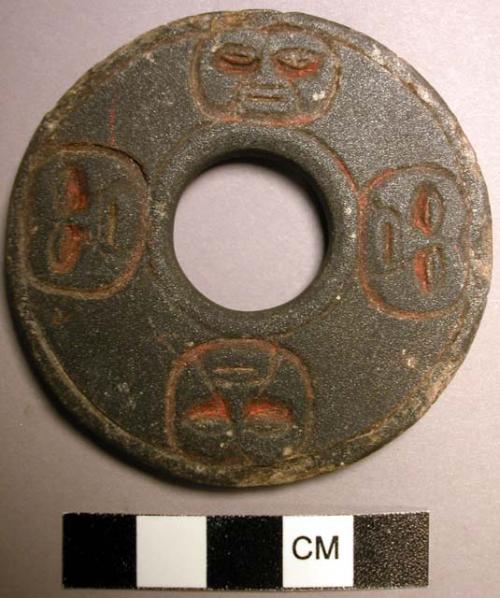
point(236, 69)
point(77, 197)
point(420, 267)
point(267, 410)
point(428, 268)
point(295, 72)
point(427, 209)
point(373, 295)
point(214, 408)
point(68, 249)
point(237, 59)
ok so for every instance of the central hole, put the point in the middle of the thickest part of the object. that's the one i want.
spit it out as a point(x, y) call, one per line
point(249, 236)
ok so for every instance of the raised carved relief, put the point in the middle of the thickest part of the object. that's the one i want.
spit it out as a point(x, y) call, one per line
point(85, 222)
point(412, 239)
point(239, 400)
point(279, 75)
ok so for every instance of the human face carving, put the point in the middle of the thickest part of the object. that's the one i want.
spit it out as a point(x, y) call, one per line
point(239, 400)
point(276, 76)
point(411, 244)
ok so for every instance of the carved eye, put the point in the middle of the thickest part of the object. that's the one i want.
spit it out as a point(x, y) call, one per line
point(429, 268)
point(214, 409)
point(236, 58)
point(297, 62)
point(427, 209)
point(266, 411)
point(66, 247)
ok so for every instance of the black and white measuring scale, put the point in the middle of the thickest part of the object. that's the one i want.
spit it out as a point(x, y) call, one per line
point(245, 552)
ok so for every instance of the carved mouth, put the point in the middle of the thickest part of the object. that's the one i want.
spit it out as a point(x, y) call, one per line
point(261, 97)
point(271, 98)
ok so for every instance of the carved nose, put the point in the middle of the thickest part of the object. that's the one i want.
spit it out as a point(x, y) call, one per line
point(266, 74)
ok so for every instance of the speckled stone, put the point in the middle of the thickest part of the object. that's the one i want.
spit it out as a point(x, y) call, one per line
point(182, 385)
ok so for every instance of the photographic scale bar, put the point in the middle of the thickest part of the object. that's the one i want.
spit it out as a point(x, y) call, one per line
point(245, 552)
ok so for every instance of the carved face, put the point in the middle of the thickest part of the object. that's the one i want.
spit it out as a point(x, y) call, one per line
point(239, 400)
point(85, 228)
point(411, 259)
point(277, 76)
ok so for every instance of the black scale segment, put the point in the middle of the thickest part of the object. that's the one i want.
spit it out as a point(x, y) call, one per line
point(391, 550)
point(99, 551)
point(244, 552)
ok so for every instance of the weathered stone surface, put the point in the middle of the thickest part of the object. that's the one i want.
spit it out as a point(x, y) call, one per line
point(190, 388)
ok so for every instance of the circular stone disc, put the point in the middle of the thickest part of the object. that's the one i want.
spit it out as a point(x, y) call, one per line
point(185, 386)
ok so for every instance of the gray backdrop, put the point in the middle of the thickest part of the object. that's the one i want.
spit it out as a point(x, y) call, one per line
point(447, 463)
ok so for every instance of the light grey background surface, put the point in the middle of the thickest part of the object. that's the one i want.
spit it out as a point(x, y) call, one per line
point(448, 463)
